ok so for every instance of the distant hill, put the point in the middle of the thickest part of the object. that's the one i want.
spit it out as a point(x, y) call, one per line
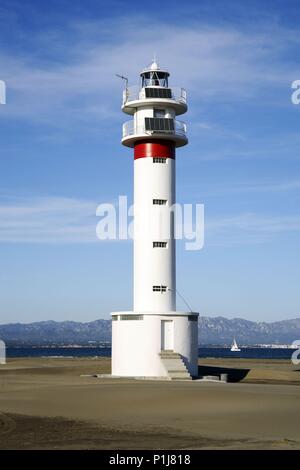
point(52, 332)
point(212, 330)
point(220, 330)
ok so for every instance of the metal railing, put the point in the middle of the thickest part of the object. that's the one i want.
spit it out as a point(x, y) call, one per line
point(135, 93)
point(129, 128)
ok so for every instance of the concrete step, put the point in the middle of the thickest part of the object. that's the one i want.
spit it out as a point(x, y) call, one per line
point(179, 374)
point(169, 354)
point(175, 360)
point(174, 366)
point(182, 378)
point(185, 376)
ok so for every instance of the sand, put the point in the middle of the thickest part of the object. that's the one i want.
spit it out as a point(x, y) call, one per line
point(47, 404)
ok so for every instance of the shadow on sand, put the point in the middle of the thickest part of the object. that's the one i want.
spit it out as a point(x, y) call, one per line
point(233, 375)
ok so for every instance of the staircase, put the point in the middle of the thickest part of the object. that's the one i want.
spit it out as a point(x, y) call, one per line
point(174, 365)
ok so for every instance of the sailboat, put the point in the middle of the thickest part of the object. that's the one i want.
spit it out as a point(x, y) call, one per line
point(234, 346)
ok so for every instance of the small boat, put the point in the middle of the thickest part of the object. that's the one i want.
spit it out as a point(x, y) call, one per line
point(234, 347)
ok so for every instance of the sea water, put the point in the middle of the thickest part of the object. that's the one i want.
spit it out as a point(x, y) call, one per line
point(94, 352)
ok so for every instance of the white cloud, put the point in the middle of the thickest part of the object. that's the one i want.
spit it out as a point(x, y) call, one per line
point(259, 223)
point(67, 220)
point(249, 228)
point(263, 186)
point(213, 63)
point(48, 220)
point(232, 145)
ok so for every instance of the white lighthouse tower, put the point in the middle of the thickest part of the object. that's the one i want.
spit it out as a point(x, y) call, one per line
point(154, 340)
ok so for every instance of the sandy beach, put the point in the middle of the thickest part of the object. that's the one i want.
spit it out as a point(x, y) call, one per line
point(48, 404)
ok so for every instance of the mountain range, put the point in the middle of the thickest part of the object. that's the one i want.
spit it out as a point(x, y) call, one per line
point(212, 331)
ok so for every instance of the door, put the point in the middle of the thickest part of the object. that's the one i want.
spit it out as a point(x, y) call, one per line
point(167, 335)
point(159, 113)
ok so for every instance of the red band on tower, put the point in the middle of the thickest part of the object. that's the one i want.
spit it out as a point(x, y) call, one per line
point(154, 148)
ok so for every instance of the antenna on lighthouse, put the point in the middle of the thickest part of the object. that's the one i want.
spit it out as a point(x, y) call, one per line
point(123, 78)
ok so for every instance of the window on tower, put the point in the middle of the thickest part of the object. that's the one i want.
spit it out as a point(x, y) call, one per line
point(160, 202)
point(159, 288)
point(155, 78)
point(160, 244)
point(159, 160)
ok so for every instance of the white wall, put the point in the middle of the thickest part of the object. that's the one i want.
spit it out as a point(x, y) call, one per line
point(153, 266)
point(136, 344)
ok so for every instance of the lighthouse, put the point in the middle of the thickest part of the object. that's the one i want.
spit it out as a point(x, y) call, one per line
point(154, 339)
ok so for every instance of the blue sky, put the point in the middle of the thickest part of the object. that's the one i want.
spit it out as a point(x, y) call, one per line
point(60, 153)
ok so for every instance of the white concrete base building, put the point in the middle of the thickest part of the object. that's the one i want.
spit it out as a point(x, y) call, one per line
point(137, 343)
point(154, 340)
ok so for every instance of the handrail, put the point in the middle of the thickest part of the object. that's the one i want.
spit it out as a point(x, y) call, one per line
point(129, 128)
point(135, 93)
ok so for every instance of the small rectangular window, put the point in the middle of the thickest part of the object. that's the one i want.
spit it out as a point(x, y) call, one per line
point(115, 318)
point(160, 202)
point(160, 244)
point(159, 160)
point(131, 317)
point(159, 288)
